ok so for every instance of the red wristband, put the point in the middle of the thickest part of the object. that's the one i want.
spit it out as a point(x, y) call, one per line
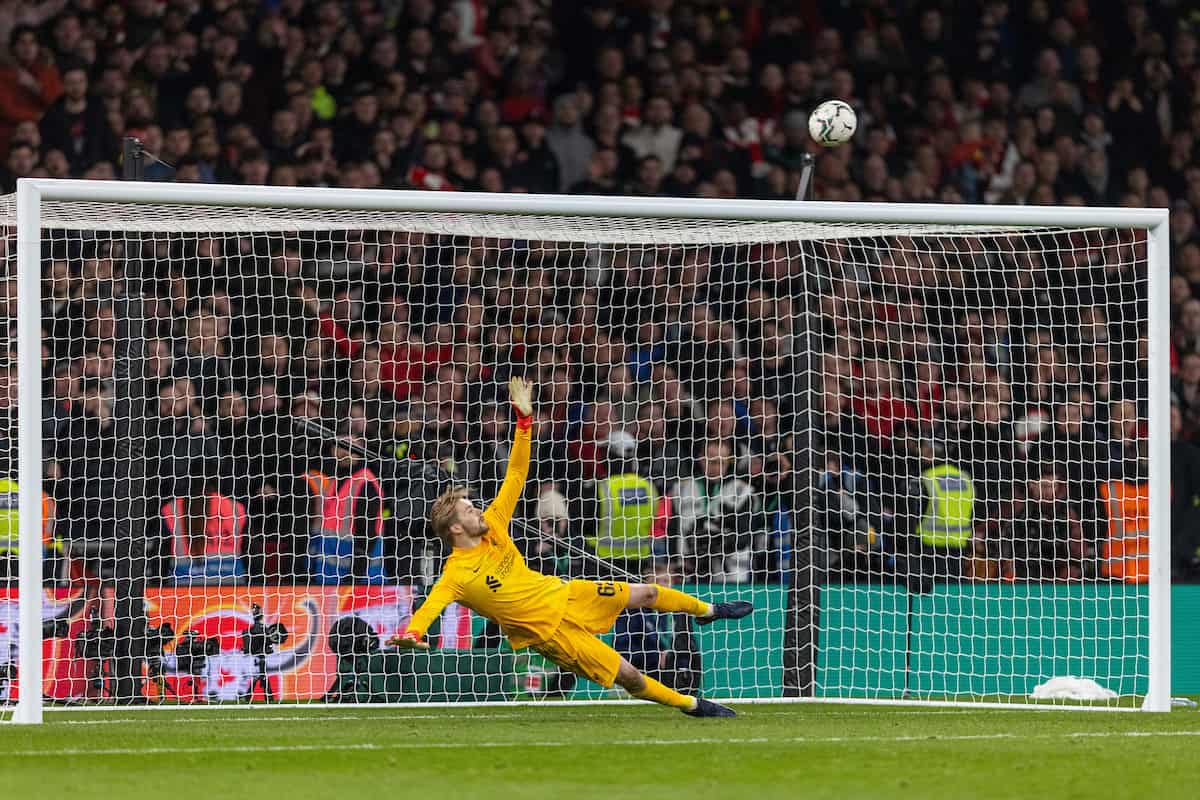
point(524, 423)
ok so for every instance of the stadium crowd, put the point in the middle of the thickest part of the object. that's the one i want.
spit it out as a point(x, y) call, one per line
point(855, 390)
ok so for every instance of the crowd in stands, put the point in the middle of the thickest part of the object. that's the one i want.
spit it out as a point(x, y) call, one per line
point(854, 390)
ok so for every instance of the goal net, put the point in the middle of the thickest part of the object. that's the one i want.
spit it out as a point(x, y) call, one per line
point(922, 450)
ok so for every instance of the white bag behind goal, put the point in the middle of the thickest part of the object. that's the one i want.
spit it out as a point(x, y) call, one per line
point(929, 442)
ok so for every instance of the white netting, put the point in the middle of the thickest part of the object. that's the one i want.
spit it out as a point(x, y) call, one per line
point(919, 450)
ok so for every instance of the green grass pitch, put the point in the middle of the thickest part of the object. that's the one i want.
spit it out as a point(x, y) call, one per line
point(840, 752)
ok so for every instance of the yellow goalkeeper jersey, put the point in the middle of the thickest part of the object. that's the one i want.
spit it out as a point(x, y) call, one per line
point(492, 578)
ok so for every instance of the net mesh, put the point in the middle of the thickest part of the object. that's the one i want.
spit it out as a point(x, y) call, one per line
point(920, 450)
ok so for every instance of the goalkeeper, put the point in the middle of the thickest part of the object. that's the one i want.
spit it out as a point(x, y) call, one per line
point(559, 619)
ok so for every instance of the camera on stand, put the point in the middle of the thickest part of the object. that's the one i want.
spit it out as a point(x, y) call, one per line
point(260, 640)
point(191, 657)
point(156, 641)
point(96, 645)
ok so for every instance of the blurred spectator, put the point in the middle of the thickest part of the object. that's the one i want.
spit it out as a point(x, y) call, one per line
point(546, 552)
point(1047, 537)
point(656, 136)
point(840, 501)
point(27, 13)
point(663, 452)
point(29, 79)
point(281, 499)
point(87, 453)
point(1125, 440)
point(570, 144)
point(490, 449)
point(76, 125)
point(715, 513)
point(22, 161)
point(882, 405)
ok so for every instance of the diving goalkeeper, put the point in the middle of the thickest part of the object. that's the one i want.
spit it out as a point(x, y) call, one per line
point(486, 573)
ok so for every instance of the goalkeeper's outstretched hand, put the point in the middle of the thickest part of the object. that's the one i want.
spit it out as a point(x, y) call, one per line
point(408, 641)
point(520, 391)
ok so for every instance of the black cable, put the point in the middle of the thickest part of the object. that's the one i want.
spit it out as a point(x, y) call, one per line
point(160, 161)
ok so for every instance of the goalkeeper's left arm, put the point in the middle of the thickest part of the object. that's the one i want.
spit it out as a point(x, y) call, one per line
point(500, 512)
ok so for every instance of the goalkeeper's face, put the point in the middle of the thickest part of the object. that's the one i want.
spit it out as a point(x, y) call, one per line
point(471, 519)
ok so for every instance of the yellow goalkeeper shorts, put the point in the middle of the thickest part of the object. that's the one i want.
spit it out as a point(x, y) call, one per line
point(592, 607)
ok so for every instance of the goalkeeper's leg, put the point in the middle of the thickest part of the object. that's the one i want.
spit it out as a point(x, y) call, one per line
point(574, 648)
point(644, 687)
point(664, 598)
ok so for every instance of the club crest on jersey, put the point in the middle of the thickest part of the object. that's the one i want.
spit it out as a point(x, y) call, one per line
point(492, 583)
point(506, 564)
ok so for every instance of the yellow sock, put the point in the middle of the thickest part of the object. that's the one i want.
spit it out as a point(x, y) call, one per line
point(675, 600)
point(655, 692)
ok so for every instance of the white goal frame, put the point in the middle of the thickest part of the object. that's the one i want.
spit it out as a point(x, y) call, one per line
point(32, 192)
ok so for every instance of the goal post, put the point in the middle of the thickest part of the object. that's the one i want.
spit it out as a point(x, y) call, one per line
point(1158, 696)
point(29, 448)
point(872, 629)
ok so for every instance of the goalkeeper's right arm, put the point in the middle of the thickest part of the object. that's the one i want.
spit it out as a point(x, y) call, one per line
point(409, 640)
point(443, 594)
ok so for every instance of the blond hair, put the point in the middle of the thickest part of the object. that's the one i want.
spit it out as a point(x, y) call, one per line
point(445, 512)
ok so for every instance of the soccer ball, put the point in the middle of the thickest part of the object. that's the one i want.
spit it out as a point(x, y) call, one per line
point(832, 123)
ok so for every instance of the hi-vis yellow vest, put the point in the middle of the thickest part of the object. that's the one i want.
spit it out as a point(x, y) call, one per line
point(950, 511)
point(626, 508)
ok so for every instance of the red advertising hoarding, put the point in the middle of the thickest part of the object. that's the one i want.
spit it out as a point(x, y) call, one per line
point(302, 667)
